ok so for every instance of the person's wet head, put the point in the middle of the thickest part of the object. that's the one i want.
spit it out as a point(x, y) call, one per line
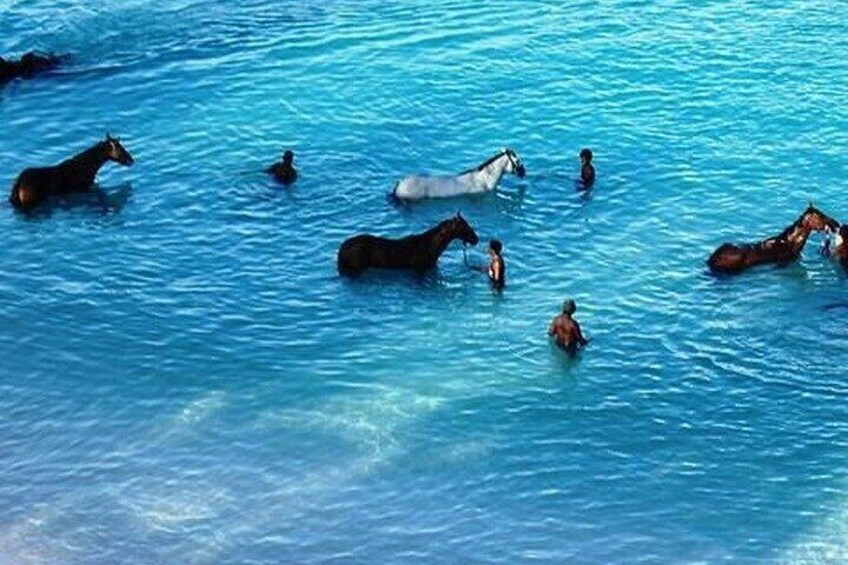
point(585, 156)
point(495, 247)
point(288, 157)
point(569, 307)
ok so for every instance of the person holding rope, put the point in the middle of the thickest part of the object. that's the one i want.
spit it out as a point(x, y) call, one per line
point(496, 269)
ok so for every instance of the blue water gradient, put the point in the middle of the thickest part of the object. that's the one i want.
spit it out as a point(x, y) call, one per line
point(185, 378)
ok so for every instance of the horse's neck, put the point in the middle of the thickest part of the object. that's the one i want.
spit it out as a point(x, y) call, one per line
point(91, 160)
point(490, 175)
point(795, 236)
point(798, 236)
point(438, 239)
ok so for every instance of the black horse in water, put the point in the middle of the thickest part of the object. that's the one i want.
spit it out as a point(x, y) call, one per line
point(28, 66)
point(783, 248)
point(418, 252)
point(76, 174)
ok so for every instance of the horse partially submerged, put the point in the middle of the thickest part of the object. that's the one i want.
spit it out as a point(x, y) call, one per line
point(28, 66)
point(783, 248)
point(418, 252)
point(483, 178)
point(76, 174)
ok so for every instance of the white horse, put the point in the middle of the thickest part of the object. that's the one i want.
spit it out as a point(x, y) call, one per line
point(481, 179)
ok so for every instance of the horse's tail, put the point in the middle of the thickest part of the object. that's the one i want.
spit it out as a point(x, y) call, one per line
point(393, 196)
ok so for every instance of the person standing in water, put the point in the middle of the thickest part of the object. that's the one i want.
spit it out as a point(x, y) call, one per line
point(496, 268)
point(587, 170)
point(565, 329)
point(284, 170)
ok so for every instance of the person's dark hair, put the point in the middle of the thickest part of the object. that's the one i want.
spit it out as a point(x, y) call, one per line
point(288, 156)
point(586, 153)
point(569, 307)
point(496, 246)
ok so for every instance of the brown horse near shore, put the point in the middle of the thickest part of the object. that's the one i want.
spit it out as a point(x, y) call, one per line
point(76, 174)
point(783, 248)
point(418, 252)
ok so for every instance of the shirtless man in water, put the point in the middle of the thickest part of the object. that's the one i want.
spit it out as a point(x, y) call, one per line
point(566, 330)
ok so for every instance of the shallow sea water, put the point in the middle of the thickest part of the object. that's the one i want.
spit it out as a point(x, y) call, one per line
point(185, 379)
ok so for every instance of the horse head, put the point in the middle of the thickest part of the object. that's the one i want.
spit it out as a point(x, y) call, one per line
point(116, 151)
point(462, 230)
point(816, 220)
point(514, 164)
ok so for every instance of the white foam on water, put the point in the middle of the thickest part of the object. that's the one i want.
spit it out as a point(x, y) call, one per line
point(825, 543)
point(19, 543)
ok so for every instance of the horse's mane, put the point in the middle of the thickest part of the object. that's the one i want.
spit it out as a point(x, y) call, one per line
point(485, 163)
point(783, 237)
point(85, 153)
point(790, 228)
point(430, 232)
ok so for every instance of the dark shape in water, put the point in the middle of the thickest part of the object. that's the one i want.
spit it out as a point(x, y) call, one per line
point(587, 170)
point(418, 252)
point(76, 174)
point(284, 170)
point(28, 66)
point(786, 247)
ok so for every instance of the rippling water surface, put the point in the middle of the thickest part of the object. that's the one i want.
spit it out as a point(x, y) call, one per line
point(185, 379)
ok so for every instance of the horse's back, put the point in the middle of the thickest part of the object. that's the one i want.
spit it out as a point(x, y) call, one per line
point(362, 251)
point(728, 257)
point(48, 179)
point(421, 187)
point(354, 253)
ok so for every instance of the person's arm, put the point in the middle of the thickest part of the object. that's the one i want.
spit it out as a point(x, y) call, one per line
point(582, 340)
point(587, 175)
point(552, 327)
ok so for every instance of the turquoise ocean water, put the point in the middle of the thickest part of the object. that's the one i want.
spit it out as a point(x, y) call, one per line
point(185, 379)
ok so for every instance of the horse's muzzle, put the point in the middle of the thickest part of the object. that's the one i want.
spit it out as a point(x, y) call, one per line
point(520, 171)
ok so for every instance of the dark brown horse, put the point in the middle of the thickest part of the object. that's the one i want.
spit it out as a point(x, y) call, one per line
point(418, 252)
point(783, 248)
point(76, 174)
point(29, 65)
